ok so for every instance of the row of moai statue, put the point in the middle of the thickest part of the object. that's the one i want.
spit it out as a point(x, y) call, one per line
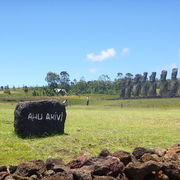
point(140, 87)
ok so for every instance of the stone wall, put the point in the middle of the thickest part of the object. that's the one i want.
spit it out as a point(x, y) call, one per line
point(141, 164)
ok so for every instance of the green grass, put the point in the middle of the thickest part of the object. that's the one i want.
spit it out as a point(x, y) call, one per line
point(118, 124)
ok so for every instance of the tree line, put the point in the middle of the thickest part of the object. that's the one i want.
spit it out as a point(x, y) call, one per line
point(60, 84)
point(62, 81)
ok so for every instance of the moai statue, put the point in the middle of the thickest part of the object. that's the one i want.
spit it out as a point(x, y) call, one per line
point(152, 85)
point(136, 86)
point(122, 88)
point(144, 85)
point(163, 84)
point(173, 88)
point(128, 88)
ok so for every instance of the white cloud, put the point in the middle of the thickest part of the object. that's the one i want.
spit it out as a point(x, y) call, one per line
point(105, 54)
point(94, 70)
point(125, 51)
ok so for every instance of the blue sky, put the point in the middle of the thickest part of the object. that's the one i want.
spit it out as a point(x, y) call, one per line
point(86, 38)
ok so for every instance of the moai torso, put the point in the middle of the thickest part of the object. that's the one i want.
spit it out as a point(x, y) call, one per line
point(173, 83)
point(144, 85)
point(136, 86)
point(152, 85)
point(128, 88)
point(163, 84)
point(122, 88)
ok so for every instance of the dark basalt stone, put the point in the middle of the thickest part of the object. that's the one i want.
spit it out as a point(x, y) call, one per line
point(173, 83)
point(137, 86)
point(128, 88)
point(152, 85)
point(140, 151)
point(39, 118)
point(163, 84)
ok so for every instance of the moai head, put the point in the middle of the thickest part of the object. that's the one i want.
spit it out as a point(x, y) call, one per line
point(144, 77)
point(163, 75)
point(153, 77)
point(174, 73)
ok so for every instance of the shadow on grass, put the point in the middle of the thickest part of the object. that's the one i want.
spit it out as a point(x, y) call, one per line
point(44, 135)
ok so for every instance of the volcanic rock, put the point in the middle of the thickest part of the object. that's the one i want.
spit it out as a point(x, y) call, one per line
point(142, 171)
point(140, 151)
point(104, 153)
point(110, 166)
point(30, 168)
point(39, 118)
point(124, 156)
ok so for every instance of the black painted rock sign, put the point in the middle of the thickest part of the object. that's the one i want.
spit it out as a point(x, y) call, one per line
point(39, 118)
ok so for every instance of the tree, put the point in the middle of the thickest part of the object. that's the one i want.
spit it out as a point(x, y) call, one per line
point(64, 80)
point(104, 84)
point(52, 79)
point(25, 88)
point(34, 93)
point(119, 75)
point(104, 77)
point(81, 87)
point(7, 90)
point(129, 75)
point(117, 82)
point(74, 82)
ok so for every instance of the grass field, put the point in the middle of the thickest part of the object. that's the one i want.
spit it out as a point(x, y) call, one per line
point(112, 124)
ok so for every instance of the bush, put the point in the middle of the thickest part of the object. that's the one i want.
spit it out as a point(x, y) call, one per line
point(34, 93)
point(7, 91)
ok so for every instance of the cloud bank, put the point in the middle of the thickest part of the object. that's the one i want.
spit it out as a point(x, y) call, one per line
point(105, 54)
